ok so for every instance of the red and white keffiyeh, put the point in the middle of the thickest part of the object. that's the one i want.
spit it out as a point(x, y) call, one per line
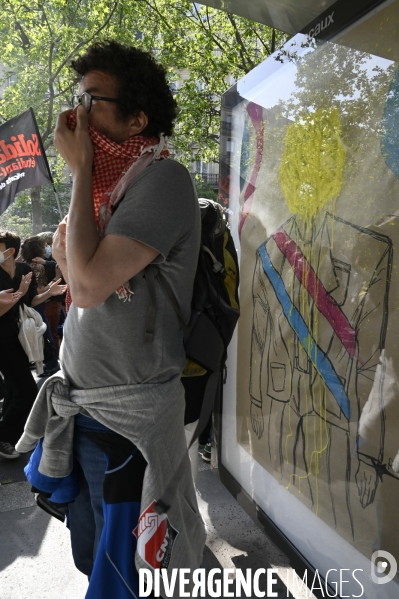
point(114, 168)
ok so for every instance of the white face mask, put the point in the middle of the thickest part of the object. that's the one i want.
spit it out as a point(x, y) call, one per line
point(3, 257)
point(47, 252)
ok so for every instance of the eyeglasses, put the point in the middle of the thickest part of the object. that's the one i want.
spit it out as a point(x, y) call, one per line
point(86, 100)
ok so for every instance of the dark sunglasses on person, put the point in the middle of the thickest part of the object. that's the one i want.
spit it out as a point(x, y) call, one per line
point(86, 100)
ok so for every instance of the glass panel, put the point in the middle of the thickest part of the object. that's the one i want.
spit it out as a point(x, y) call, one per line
point(310, 179)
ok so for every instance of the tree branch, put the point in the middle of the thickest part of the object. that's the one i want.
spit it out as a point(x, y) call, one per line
point(155, 9)
point(77, 7)
point(46, 19)
point(51, 99)
point(266, 47)
point(85, 42)
point(24, 38)
point(208, 31)
point(246, 60)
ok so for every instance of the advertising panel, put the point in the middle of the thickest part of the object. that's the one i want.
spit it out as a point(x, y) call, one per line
point(311, 407)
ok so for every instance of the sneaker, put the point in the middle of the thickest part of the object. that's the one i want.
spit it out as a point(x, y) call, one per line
point(206, 454)
point(8, 451)
point(54, 509)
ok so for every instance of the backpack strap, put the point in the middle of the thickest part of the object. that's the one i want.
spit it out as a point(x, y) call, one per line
point(206, 328)
point(168, 291)
point(162, 505)
point(205, 346)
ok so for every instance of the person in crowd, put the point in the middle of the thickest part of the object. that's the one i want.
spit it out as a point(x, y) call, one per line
point(48, 238)
point(8, 296)
point(114, 142)
point(20, 386)
point(32, 247)
point(53, 306)
point(33, 251)
point(53, 309)
point(45, 259)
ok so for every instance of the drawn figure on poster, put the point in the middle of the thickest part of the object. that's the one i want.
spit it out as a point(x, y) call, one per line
point(318, 329)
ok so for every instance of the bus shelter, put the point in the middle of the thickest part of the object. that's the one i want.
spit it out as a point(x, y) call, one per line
point(307, 429)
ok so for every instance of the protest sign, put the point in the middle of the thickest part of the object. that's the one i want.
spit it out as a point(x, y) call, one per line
point(23, 162)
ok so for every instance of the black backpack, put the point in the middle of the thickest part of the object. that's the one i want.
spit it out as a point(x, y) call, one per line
point(214, 314)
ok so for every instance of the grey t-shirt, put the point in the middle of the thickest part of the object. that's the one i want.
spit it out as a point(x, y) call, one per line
point(104, 345)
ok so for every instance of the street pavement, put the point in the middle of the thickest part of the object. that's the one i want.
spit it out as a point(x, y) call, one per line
point(35, 554)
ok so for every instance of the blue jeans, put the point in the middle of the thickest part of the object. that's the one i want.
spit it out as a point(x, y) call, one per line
point(86, 518)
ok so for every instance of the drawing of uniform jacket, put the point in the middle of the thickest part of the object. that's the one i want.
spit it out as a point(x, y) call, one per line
point(317, 335)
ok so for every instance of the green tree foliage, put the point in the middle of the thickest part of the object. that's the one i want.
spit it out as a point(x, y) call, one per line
point(13, 220)
point(38, 40)
point(208, 49)
point(204, 190)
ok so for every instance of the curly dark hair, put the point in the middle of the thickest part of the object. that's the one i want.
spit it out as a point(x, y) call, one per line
point(142, 84)
point(33, 247)
point(11, 240)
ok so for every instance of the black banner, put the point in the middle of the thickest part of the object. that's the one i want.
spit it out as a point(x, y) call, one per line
point(23, 162)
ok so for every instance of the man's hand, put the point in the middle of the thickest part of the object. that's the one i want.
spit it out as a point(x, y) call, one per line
point(56, 289)
point(367, 482)
point(257, 420)
point(8, 297)
point(74, 146)
point(39, 260)
point(25, 282)
point(59, 242)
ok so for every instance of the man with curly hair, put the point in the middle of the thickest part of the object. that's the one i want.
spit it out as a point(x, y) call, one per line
point(132, 208)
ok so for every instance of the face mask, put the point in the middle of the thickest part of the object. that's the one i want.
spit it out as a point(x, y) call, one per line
point(47, 252)
point(3, 257)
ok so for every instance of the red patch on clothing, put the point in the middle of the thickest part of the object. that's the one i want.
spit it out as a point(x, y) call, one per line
point(155, 538)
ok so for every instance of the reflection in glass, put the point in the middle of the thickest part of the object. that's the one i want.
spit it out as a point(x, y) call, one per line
point(313, 188)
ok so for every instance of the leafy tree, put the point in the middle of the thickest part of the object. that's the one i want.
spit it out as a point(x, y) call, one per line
point(203, 47)
point(11, 220)
point(204, 190)
point(207, 50)
point(38, 40)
